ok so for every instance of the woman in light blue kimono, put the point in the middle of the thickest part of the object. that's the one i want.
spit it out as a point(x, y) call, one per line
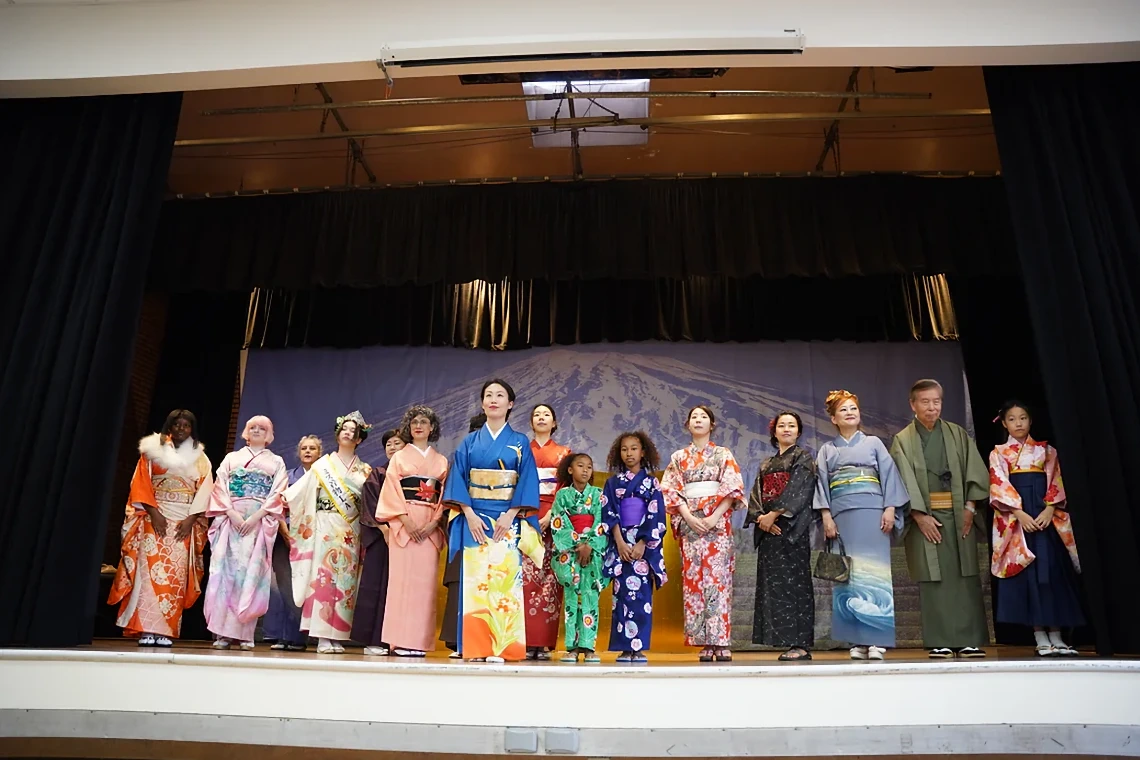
point(492, 491)
point(860, 495)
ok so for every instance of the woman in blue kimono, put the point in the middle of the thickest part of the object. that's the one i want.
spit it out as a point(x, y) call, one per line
point(860, 496)
point(492, 491)
point(633, 559)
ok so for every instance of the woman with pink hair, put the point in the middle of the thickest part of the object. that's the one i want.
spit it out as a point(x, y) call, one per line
point(246, 508)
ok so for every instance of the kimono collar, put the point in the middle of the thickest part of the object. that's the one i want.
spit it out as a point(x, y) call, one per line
point(1029, 442)
point(181, 461)
point(423, 452)
point(842, 442)
point(495, 435)
point(708, 448)
point(549, 442)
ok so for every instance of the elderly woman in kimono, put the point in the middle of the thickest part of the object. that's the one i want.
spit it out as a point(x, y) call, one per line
point(282, 621)
point(245, 514)
point(324, 508)
point(860, 496)
point(492, 492)
point(701, 487)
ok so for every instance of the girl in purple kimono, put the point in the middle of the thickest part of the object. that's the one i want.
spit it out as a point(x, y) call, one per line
point(633, 559)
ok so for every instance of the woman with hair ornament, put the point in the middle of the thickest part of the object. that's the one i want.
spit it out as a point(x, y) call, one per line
point(861, 496)
point(324, 507)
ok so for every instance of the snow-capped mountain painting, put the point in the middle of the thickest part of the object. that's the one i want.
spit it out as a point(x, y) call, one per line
point(601, 390)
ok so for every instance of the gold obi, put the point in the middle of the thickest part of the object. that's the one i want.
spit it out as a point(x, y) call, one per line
point(941, 501)
point(493, 485)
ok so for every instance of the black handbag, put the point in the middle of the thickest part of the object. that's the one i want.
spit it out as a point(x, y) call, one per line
point(830, 566)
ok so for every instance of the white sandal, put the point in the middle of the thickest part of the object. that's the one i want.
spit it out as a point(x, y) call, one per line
point(376, 651)
point(1046, 650)
point(876, 653)
point(222, 644)
point(859, 653)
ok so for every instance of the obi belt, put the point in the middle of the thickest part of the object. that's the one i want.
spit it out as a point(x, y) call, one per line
point(547, 480)
point(851, 480)
point(633, 510)
point(581, 523)
point(492, 485)
point(422, 489)
point(701, 489)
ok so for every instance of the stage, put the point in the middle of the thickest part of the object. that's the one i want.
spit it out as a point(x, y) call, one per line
point(116, 700)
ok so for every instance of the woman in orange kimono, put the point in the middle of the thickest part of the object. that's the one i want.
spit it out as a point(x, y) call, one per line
point(410, 504)
point(542, 590)
point(701, 487)
point(160, 572)
point(1035, 557)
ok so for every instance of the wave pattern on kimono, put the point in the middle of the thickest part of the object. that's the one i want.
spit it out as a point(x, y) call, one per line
point(1011, 552)
point(241, 567)
point(633, 502)
point(578, 517)
point(324, 509)
point(159, 576)
point(413, 486)
point(857, 481)
point(702, 478)
point(785, 600)
point(493, 474)
point(541, 589)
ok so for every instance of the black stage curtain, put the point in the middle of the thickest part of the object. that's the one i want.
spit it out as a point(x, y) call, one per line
point(81, 189)
point(618, 230)
point(521, 315)
point(1066, 136)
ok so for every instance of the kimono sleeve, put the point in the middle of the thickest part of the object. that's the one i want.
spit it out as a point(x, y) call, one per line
point(370, 496)
point(652, 528)
point(526, 490)
point(455, 488)
point(391, 502)
point(561, 529)
point(823, 480)
point(977, 481)
point(598, 537)
point(205, 486)
point(142, 488)
point(731, 482)
point(894, 490)
point(611, 511)
point(1055, 489)
point(673, 486)
point(756, 496)
point(220, 503)
point(1003, 496)
point(273, 505)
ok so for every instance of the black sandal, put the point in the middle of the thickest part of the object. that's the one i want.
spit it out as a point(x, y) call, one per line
point(706, 655)
point(790, 656)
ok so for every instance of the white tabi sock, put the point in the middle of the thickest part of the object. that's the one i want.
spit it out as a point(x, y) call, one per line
point(1056, 640)
point(1042, 638)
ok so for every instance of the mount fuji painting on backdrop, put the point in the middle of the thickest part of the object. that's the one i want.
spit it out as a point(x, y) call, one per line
point(599, 390)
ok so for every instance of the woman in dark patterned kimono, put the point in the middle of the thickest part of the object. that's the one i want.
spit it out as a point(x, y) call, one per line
point(781, 508)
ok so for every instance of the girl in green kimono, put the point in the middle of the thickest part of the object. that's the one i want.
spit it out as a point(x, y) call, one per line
point(580, 538)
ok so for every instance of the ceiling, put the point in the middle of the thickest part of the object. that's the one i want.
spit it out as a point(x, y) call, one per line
point(918, 136)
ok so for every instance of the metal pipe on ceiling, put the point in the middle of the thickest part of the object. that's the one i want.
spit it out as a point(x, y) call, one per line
point(582, 123)
point(469, 99)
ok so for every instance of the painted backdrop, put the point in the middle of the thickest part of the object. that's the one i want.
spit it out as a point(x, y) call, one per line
point(601, 389)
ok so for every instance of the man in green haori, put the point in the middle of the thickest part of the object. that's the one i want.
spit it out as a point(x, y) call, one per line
point(945, 476)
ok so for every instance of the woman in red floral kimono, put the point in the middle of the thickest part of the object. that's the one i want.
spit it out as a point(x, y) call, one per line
point(702, 486)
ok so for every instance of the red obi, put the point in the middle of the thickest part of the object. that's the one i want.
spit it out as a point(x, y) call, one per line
point(582, 523)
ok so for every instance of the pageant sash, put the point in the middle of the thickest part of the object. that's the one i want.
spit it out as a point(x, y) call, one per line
point(341, 496)
point(701, 489)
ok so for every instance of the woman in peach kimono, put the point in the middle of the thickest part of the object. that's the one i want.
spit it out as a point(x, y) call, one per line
point(1035, 557)
point(701, 487)
point(410, 502)
point(160, 573)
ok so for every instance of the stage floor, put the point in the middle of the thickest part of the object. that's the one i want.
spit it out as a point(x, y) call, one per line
point(115, 699)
